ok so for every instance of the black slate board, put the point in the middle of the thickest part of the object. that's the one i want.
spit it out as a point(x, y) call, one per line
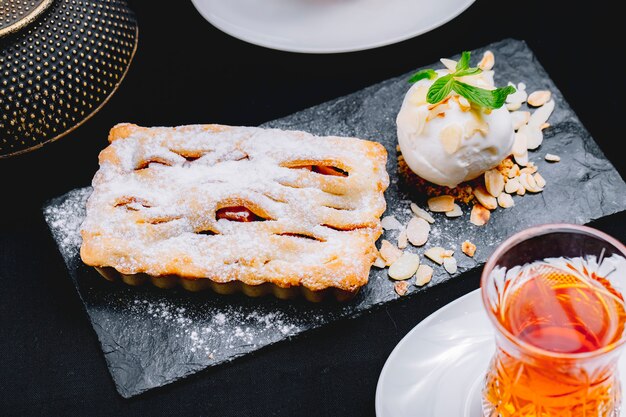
point(152, 337)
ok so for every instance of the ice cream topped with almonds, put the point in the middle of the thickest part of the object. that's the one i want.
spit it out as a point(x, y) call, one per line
point(452, 126)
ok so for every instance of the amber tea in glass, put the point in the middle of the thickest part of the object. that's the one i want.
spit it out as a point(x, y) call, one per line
point(554, 295)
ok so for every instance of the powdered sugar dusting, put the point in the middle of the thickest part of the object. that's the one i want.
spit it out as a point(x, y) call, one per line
point(65, 220)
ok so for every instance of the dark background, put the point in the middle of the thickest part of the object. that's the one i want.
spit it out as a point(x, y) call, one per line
point(186, 71)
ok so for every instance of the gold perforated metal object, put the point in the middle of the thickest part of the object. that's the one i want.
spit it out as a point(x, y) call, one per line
point(60, 61)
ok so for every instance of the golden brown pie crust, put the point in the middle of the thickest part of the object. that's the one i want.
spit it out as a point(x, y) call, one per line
point(153, 213)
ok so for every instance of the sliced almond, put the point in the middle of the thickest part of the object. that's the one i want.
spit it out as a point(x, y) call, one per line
point(435, 254)
point(417, 231)
point(423, 275)
point(513, 171)
point(514, 106)
point(484, 198)
point(520, 144)
point(464, 104)
point(450, 265)
point(404, 267)
point(441, 204)
point(522, 159)
point(505, 200)
point(455, 212)
point(450, 137)
point(519, 96)
point(529, 183)
point(512, 185)
point(475, 125)
point(534, 135)
point(541, 115)
point(437, 110)
point(520, 118)
point(417, 96)
point(468, 248)
point(389, 252)
point(403, 240)
point(521, 190)
point(552, 158)
point(528, 169)
point(541, 182)
point(379, 263)
point(401, 287)
point(494, 182)
point(487, 62)
point(450, 64)
point(390, 223)
point(539, 98)
point(421, 213)
point(480, 215)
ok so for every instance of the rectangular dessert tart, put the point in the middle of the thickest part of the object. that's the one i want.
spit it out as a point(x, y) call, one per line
point(236, 209)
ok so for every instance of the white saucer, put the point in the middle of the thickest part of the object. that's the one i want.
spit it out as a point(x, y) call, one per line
point(327, 26)
point(437, 368)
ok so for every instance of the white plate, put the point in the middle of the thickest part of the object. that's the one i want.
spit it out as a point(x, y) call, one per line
point(438, 367)
point(325, 26)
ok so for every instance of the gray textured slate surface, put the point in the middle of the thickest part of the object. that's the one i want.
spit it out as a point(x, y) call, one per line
point(152, 337)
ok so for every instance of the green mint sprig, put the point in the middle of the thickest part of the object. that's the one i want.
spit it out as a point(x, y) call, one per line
point(439, 90)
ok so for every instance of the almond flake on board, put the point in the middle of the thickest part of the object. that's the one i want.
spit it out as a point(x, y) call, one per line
point(520, 144)
point(417, 231)
point(389, 252)
point(552, 158)
point(404, 267)
point(505, 200)
point(513, 171)
point(512, 185)
point(421, 213)
point(403, 240)
point(494, 182)
point(423, 275)
point(441, 204)
point(390, 223)
point(449, 264)
point(468, 248)
point(522, 159)
point(539, 98)
point(541, 182)
point(484, 198)
point(529, 183)
point(456, 212)
point(521, 190)
point(479, 215)
point(379, 263)
point(435, 254)
point(520, 118)
point(401, 287)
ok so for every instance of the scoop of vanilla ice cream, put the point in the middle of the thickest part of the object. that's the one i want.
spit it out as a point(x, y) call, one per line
point(456, 147)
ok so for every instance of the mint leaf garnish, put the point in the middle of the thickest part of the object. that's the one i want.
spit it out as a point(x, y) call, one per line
point(423, 74)
point(463, 63)
point(439, 90)
point(491, 99)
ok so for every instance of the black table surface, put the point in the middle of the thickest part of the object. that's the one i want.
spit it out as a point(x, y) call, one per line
point(186, 71)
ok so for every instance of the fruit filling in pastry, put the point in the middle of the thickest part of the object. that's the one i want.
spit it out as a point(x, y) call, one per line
point(236, 209)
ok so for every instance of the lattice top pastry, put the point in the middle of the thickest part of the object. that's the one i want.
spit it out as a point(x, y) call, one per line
point(237, 204)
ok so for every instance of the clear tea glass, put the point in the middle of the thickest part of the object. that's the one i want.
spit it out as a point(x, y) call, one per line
point(554, 295)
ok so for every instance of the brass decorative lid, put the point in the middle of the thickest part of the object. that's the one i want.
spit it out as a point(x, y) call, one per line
point(60, 61)
point(15, 14)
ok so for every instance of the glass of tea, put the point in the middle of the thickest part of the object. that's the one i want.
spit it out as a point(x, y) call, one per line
point(554, 295)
